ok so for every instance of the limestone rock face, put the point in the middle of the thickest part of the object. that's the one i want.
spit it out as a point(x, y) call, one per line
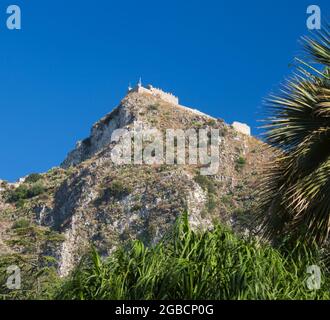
point(101, 133)
point(242, 128)
point(91, 200)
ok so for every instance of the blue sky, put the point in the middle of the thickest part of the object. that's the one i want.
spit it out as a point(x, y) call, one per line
point(72, 61)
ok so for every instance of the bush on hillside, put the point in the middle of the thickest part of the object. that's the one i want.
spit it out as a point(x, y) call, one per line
point(196, 265)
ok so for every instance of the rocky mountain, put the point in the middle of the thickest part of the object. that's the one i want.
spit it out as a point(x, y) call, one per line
point(53, 217)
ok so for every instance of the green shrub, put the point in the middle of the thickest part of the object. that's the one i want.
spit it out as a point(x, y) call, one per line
point(35, 190)
point(24, 192)
point(119, 190)
point(21, 224)
point(196, 124)
point(116, 190)
point(33, 178)
point(240, 163)
point(19, 193)
point(227, 199)
point(211, 122)
point(211, 265)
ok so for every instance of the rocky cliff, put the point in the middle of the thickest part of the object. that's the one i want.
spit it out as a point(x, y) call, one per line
point(90, 199)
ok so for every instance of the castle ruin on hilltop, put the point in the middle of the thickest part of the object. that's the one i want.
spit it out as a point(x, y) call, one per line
point(170, 98)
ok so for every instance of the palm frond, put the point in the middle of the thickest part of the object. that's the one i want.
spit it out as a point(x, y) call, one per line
point(295, 196)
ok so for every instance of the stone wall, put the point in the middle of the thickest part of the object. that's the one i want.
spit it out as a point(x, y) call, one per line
point(168, 97)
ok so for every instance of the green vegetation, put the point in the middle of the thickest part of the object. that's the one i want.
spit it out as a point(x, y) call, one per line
point(211, 122)
point(37, 282)
point(24, 192)
point(33, 178)
point(218, 264)
point(186, 264)
point(116, 190)
point(21, 223)
point(293, 213)
point(39, 277)
point(297, 185)
point(227, 199)
point(196, 265)
point(196, 124)
point(240, 163)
